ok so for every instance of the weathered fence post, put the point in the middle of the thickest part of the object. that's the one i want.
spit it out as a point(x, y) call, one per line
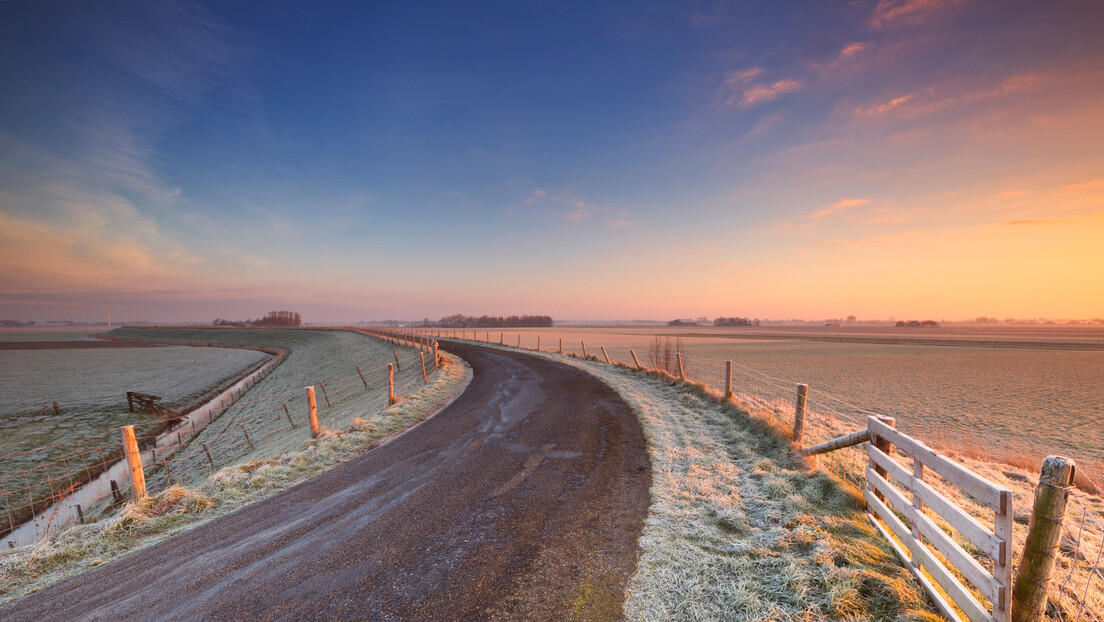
point(425, 378)
point(728, 380)
point(397, 366)
point(799, 412)
point(391, 399)
point(312, 409)
point(561, 345)
point(134, 461)
point(501, 337)
point(538, 343)
point(606, 355)
point(584, 349)
point(635, 360)
point(682, 374)
point(436, 355)
point(519, 340)
point(1044, 534)
point(247, 439)
point(286, 412)
point(325, 395)
point(361, 374)
point(886, 447)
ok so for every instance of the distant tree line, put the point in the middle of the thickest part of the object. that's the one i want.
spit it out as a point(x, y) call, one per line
point(489, 321)
point(735, 321)
point(916, 324)
point(274, 319)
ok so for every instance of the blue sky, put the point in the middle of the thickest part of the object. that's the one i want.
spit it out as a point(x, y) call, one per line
point(186, 161)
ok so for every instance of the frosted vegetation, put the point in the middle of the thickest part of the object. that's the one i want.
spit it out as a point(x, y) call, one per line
point(739, 530)
point(90, 388)
point(316, 357)
point(176, 509)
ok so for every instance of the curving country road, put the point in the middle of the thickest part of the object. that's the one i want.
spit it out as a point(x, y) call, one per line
point(523, 499)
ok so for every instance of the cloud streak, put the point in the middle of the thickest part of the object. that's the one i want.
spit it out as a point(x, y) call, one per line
point(744, 89)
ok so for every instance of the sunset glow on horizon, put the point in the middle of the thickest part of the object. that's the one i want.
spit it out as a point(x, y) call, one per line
point(914, 159)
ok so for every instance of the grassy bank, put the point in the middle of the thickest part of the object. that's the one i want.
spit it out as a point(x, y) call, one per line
point(140, 524)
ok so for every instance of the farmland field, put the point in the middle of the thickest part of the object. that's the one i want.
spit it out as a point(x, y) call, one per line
point(1001, 386)
point(320, 358)
point(90, 388)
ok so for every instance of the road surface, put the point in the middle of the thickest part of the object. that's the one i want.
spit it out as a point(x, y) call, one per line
point(523, 499)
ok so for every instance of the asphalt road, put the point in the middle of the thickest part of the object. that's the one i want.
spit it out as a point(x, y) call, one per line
point(523, 499)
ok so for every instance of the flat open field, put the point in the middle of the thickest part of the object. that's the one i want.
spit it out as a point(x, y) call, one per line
point(1000, 386)
point(90, 388)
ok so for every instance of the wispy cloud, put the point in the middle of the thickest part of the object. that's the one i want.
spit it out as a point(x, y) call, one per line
point(744, 88)
point(933, 100)
point(838, 206)
point(897, 12)
point(1031, 222)
point(80, 211)
point(1096, 184)
point(848, 57)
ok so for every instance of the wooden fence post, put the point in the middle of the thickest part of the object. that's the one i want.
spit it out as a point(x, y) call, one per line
point(247, 439)
point(425, 378)
point(519, 340)
point(606, 355)
point(682, 374)
point(286, 412)
point(584, 349)
point(391, 399)
point(361, 374)
point(886, 448)
point(397, 366)
point(728, 380)
point(799, 412)
point(635, 360)
point(134, 461)
point(561, 345)
point(436, 355)
point(501, 337)
point(312, 409)
point(1044, 534)
point(538, 343)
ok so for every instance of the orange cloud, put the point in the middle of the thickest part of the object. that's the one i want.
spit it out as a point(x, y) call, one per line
point(1096, 184)
point(1031, 222)
point(928, 102)
point(839, 206)
point(745, 91)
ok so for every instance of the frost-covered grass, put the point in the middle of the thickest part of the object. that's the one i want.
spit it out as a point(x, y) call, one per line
point(315, 357)
point(90, 388)
point(738, 529)
point(140, 524)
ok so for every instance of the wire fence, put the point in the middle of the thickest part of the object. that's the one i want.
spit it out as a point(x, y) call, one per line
point(63, 486)
point(1076, 590)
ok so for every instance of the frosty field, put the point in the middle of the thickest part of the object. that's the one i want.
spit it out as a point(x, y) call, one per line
point(90, 388)
point(1005, 387)
point(316, 357)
